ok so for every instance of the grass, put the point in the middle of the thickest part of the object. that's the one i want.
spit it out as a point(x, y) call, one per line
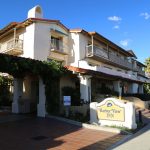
point(132, 131)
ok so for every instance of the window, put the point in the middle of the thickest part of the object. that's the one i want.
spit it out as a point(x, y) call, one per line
point(56, 44)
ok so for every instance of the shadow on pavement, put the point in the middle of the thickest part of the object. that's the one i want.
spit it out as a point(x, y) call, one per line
point(21, 132)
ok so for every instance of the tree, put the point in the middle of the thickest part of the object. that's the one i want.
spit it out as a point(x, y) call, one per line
point(147, 69)
point(5, 94)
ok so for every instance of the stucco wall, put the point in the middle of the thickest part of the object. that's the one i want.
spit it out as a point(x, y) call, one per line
point(74, 47)
point(28, 43)
point(27, 88)
point(37, 40)
point(42, 41)
point(82, 46)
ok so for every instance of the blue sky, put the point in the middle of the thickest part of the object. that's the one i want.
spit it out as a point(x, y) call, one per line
point(124, 22)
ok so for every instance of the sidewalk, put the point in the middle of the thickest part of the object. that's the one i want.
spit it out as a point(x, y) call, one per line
point(139, 141)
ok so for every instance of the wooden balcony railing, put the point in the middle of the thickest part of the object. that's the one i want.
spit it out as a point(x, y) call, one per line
point(92, 50)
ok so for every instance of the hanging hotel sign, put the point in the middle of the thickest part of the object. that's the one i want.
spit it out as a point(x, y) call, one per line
point(111, 111)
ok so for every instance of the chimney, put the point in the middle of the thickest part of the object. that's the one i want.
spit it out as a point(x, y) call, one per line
point(35, 12)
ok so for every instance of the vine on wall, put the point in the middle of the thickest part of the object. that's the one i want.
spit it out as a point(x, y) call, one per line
point(50, 72)
point(5, 94)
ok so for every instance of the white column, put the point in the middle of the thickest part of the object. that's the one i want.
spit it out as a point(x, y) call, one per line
point(93, 113)
point(18, 91)
point(117, 87)
point(133, 88)
point(85, 88)
point(41, 110)
point(141, 88)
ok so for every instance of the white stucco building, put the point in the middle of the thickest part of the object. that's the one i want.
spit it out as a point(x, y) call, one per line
point(95, 60)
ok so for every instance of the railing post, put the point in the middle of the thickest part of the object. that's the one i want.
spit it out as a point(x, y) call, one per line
point(140, 117)
point(86, 50)
point(14, 34)
point(92, 45)
point(108, 51)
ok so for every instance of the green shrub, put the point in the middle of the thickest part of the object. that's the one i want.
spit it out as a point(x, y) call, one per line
point(74, 93)
point(5, 94)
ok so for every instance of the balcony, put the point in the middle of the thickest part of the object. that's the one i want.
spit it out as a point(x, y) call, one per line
point(102, 55)
point(119, 61)
point(96, 51)
point(12, 47)
point(140, 71)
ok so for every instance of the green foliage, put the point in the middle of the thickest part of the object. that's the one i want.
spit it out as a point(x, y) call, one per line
point(52, 96)
point(5, 95)
point(50, 72)
point(147, 69)
point(74, 93)
point(20, 67)
point(147, 88)
point(126, 130)
point(79, 117)
point(52, 90)
point(106, 90)
point(147, 63)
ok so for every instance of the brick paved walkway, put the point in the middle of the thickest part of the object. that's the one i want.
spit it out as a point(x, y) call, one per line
point(44, 134)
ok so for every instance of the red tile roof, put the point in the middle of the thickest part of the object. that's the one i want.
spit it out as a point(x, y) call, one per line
point(27, 22)
point(8, 27)
point(100, 74)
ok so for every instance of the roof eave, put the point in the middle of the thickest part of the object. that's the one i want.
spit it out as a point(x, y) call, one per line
point(92, 72)
point(27, 22)
point(115, 45)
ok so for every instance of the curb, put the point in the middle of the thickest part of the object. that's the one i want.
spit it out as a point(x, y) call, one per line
point(85, 125)
point(129, 137)
point(126, 138)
